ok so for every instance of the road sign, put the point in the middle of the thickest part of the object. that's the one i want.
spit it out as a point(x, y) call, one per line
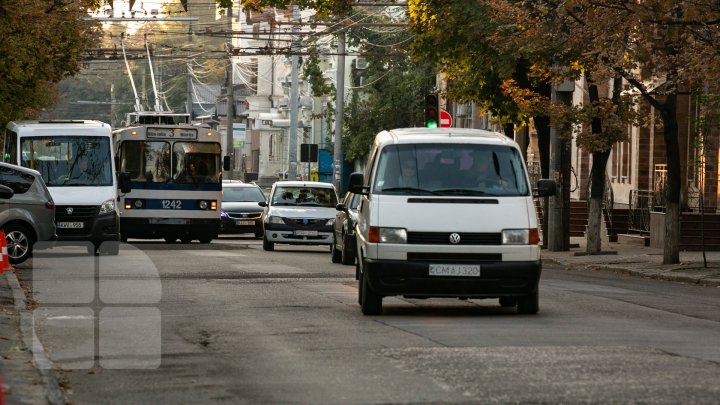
point(445, 119)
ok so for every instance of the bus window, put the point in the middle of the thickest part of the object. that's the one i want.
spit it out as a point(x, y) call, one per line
point(196, 162)
point(146, 161)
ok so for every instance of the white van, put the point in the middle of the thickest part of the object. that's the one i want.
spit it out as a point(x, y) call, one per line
point(447, 212)
point(77, 163)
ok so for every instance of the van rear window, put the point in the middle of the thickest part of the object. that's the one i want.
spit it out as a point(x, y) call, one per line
point(451, 169)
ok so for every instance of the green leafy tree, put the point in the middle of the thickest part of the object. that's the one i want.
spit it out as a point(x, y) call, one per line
point(42, 44)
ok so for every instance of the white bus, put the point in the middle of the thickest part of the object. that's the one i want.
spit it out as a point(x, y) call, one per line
point(175, 174)
point(77, 163)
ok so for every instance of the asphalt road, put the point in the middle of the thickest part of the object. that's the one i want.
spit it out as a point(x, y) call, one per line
point(229, 322)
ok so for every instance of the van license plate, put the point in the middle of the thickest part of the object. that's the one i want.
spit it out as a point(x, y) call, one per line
point(241, 222)
point(455, 270)
point(306, 233)
point(70, 225)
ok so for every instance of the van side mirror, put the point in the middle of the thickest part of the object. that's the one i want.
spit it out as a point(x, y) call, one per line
point(6, 192)
point(357, 184)
point(124, 182)
point(226, 163)
point(545, 188)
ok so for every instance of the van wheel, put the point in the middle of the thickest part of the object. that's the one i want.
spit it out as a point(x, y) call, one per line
point(370, 302)
point(268, 246)
point(529, 304)
point(508, 301)
point(19, 243)
point(336, 254)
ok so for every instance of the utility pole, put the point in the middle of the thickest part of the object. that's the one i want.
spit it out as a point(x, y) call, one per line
point(559, 211)
point(230, 100)
point(292, 133)
point(188, 104)
point(339, 104)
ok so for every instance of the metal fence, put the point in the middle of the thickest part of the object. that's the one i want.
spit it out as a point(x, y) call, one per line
point(640, 204)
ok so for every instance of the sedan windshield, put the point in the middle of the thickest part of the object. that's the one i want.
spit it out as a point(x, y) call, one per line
point(305, 196)
point(242, 194)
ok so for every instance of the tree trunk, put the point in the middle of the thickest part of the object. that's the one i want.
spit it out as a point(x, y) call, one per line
point(595, 202)
point(509, 130)
point(671, 247)
point(593, 243)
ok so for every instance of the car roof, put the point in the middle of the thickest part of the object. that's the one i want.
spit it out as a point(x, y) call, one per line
point(442, 135)
point(239, 185)
point(294, 183)
point(20, 168)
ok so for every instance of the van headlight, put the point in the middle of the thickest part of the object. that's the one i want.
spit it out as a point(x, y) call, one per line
point(387, 235)
point(107, 206)
point(516, 237)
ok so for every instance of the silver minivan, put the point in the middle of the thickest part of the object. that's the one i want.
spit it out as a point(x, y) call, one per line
point(27, 214)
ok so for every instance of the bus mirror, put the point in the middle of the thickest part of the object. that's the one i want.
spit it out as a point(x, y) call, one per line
point(226, 163)
point(124, 182)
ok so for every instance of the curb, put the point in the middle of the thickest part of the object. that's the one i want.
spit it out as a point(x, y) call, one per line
point(678, 278)
point(41, 361)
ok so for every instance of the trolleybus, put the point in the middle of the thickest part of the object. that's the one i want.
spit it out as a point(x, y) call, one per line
point(174, 170)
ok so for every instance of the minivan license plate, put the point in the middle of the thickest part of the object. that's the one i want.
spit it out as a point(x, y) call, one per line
point(455, 270)
point(70, 225)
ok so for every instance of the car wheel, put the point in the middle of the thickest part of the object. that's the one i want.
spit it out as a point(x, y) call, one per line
point(529, 304)
point(348, 256)
point(336, 254)
point(19, 243)
point(508, 301)
point(267, 245)
point(370, 302)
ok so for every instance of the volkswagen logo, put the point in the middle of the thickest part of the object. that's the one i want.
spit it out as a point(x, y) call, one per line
point(69, 210)
point(454, 238)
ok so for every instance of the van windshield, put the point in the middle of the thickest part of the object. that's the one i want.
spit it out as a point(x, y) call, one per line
point(451, 170)
point(69, 160)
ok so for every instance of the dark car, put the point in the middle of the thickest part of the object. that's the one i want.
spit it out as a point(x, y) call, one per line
point(343, 247)
point(240, 212)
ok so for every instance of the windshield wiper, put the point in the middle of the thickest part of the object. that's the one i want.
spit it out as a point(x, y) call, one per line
point(462, 191)
point(410, 190)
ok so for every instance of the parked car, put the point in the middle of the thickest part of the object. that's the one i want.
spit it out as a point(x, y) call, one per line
point(27, 214)
point(240, 212)
point(299, 213)
point(343, 246)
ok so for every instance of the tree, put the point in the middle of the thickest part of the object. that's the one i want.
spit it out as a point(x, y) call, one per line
point(42, 44)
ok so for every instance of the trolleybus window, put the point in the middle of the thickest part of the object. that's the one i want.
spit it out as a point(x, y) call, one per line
point(146, 161)
point(196, 162)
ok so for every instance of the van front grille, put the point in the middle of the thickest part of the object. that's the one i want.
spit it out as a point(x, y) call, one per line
point(443, 238)
point(454, 257)
point(75, 213)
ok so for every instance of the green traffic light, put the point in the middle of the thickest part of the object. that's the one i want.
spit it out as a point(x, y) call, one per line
point(431, 124)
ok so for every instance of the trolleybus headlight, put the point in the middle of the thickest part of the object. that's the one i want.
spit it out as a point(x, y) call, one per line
point(203, 205)
point(128, 204)
point(138, 203)
point(107, 206)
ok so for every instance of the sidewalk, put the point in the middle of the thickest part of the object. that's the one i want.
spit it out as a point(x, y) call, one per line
point(22, 382)
point(640, 261)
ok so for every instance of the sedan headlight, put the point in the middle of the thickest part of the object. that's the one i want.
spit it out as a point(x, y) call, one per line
point(107, 206)
point(516, 237)
point(330, 222)
point(274, 219)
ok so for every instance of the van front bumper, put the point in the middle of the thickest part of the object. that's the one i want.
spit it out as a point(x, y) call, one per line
point(497, 279)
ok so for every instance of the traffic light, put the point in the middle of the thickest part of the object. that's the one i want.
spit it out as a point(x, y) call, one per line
point(432, 111)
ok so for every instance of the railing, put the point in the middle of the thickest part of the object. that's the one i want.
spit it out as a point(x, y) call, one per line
point(640, 204)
